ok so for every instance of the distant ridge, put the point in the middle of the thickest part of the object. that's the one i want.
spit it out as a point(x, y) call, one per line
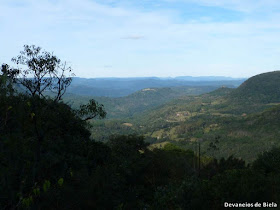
point(207, 78)
point(118, 87)
point(185, 78)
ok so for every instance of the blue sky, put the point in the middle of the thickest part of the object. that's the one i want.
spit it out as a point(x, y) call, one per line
point(128, 38)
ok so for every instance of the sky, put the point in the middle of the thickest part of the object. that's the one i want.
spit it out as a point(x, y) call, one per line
point(141, 38)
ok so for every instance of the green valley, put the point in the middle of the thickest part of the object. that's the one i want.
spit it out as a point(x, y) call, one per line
point(243, 120)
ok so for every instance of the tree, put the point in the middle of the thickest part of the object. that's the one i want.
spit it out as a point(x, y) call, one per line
point(6, 81)
point(40, 71)
point(268, 161)
point(91, 110)
point(41, 138)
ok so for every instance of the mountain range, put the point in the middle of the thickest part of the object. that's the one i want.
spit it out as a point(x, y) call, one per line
point(118, 87)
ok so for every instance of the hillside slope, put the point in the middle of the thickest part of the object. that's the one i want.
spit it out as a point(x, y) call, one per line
point(263, 88)
point(247, 136)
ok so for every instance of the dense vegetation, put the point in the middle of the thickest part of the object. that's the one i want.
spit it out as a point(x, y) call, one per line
point(49, 161)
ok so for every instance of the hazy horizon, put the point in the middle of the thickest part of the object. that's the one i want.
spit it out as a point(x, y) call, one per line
point(164, 77)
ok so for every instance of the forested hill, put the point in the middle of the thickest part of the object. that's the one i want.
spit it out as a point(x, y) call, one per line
point(222, 91)
point(262, 88)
